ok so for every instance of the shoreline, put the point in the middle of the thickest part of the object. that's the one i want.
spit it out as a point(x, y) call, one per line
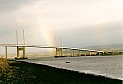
point(31, 73)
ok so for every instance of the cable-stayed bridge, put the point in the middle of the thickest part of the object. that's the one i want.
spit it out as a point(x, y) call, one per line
point(59, 51)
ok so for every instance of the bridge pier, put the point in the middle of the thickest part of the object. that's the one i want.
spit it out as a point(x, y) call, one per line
point(6, 49)
point(85, 52)
point(18, 53)
point(79, 52)
point(61, 50)
point(92, 52)
point(66, 52)
point(100, 52)
point(56, 52)
point(72, 51)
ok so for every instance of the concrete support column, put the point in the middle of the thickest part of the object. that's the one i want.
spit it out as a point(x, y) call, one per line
point(24, 52)
point(79, 52)
point(95, 53)
point(90, 53)
point(73, 53)
point(99, 53)
point(17, 52)
point(56, 51)
point(66, 52)
point(62, 52)
point(85, 52)
point(6, 52)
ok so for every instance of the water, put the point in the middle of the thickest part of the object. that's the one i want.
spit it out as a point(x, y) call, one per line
point(108, 66)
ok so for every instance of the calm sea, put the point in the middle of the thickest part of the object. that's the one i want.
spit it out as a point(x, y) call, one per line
point(109, 66)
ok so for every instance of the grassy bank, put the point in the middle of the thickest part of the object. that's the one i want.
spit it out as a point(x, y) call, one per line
point(29, 73)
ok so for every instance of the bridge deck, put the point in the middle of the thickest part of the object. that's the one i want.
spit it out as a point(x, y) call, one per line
point(26, 45)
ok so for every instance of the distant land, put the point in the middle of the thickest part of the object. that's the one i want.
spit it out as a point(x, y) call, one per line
point(105, 46)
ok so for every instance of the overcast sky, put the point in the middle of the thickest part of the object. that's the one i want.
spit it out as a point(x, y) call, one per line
point(81, 23)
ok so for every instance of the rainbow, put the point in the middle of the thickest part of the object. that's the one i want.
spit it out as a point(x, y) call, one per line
point(48, 35)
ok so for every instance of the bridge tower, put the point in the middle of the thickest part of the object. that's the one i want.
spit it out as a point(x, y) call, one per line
point(21, 48)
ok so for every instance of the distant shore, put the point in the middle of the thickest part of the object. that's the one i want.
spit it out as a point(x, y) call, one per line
point(30, 73)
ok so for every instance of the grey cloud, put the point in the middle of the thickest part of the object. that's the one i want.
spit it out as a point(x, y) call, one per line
point(10, 5)
point(88, 36)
